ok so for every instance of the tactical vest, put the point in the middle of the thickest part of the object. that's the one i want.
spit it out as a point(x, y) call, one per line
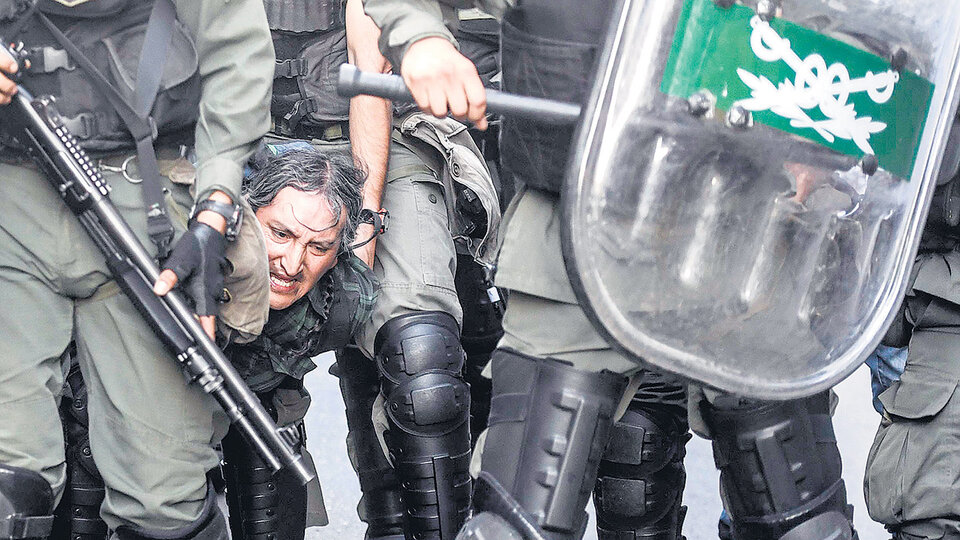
point(110, 34)
point(310, 40)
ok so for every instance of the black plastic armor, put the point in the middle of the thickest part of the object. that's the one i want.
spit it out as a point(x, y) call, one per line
point(780, 469)
point(549, 424)
point(26, 505)
point(641, 478)
point(428, 407)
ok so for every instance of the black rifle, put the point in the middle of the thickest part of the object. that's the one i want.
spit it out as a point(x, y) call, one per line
point(35, 124)
point(352, 82)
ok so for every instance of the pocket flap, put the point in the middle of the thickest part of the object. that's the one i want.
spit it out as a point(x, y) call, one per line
point(919, 394)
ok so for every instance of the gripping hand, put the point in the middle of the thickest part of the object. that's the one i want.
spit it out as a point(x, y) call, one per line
point(197, 263)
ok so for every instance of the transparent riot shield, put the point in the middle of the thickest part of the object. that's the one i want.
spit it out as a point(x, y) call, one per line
point(751, 180)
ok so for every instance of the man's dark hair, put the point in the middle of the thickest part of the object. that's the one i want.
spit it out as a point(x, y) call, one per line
point(332, 175)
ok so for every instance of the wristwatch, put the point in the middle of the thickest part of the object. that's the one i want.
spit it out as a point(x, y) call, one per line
point(230, 212)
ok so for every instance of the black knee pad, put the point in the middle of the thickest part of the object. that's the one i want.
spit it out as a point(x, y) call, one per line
point(421, 362)
point(26, 505)
point(379, 507)
point(780, 468)
point(640, 483)
point(78, 515)
point(549, 423)
point(427, 404)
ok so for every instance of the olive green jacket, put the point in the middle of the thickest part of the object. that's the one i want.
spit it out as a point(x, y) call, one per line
point(236, 64)
point(403, 22)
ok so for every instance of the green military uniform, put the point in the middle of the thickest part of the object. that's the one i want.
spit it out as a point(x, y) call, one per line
point(913, 469)
point(152, 435)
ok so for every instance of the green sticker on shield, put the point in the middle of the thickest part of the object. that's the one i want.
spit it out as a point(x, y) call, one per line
point(799, 81)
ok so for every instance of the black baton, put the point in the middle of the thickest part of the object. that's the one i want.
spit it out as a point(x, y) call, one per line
point(353, 82)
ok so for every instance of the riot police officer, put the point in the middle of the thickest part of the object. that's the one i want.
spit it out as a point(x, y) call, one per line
point(203, 77)
point(915, 371)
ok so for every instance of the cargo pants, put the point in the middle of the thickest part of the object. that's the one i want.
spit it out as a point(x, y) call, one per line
point(151, 434)
point(912, 481)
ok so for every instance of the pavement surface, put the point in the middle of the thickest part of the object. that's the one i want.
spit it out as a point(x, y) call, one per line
point(855, 423)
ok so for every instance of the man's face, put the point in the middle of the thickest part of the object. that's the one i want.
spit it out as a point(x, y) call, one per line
point(303, 237)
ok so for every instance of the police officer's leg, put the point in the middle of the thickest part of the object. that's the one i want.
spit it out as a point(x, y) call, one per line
point(482, 329)
point(641, 478)
point(779, 468)
point(550, 418)
point(379, 506)
point(907, 486)
point(36, 322)
point(414, 336)
point(263, 505)
point(150, 433)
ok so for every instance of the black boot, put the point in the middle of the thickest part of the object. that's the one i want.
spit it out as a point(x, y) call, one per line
point(427, 405)
point(380, 507)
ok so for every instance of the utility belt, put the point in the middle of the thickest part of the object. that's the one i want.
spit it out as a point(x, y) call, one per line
point(329, 132)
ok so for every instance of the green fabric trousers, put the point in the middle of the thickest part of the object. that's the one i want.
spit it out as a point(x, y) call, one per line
point(416, 258)
point(151, 435)
point(912, 481)
point(543, 317)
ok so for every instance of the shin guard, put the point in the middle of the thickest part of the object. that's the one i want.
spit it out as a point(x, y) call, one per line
point(640, 483)
point(549, 424)
point(780, 469)
point(427, 407)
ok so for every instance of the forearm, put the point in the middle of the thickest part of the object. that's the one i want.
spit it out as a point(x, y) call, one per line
point(236, 62)
point(370, 119)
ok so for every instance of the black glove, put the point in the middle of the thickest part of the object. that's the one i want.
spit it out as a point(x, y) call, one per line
point(198, 261)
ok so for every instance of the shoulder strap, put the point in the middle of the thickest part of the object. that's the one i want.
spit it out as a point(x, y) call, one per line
point(153, 57)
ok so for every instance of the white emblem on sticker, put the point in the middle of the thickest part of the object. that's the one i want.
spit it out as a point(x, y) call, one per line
point(816, 86)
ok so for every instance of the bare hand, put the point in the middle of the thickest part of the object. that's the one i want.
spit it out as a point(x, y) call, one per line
point(441, 80)
point(7, 87)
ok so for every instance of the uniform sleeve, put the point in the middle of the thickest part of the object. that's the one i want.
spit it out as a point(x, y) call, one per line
point(236, 62)
point(403, 22)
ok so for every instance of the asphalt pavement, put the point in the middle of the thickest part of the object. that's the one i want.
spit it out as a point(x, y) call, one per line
point(855, 423)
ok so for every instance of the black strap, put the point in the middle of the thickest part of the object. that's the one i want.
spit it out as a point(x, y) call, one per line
point(290, 68)
point(153, 55)
point(141, 126)
point(301, 108)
